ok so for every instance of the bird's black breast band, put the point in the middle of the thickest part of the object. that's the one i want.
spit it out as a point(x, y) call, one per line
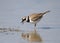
point(28, 20)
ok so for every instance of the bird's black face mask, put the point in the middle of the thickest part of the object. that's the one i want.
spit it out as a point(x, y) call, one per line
point(23, 19)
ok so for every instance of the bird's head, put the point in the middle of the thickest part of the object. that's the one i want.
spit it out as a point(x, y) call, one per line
point(23, 19)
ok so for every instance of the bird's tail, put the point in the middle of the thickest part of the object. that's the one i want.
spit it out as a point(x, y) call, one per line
point(46, 12)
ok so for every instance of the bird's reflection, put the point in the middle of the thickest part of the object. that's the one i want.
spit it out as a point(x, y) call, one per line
point(32, 36)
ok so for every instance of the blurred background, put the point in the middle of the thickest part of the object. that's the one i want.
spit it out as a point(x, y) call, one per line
point(11, 12)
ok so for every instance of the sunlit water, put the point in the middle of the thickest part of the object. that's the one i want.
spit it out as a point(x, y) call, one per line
point(48, 35)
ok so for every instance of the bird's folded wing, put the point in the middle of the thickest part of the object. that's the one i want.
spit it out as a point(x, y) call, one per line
point(35, 17)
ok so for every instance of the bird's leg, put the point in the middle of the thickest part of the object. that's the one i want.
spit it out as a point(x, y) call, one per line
point(35, 27)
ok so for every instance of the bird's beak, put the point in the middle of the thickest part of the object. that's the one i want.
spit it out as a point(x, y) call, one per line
point(22, 22)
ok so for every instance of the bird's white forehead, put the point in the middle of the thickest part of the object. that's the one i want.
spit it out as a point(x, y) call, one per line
point(24, 17)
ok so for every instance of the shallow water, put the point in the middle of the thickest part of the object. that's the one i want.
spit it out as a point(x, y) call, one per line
point(50, 35)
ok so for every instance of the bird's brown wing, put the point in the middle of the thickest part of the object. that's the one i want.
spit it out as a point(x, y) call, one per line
point(35, 17)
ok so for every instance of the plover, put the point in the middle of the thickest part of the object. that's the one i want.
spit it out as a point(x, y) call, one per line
point(33, 18)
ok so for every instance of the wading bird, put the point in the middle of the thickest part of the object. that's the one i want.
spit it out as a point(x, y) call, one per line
point(33, 18)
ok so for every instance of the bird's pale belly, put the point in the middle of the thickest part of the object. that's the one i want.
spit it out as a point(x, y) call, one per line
point(34, 21)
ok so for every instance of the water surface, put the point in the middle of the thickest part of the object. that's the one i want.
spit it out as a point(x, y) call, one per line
point(48, 35)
